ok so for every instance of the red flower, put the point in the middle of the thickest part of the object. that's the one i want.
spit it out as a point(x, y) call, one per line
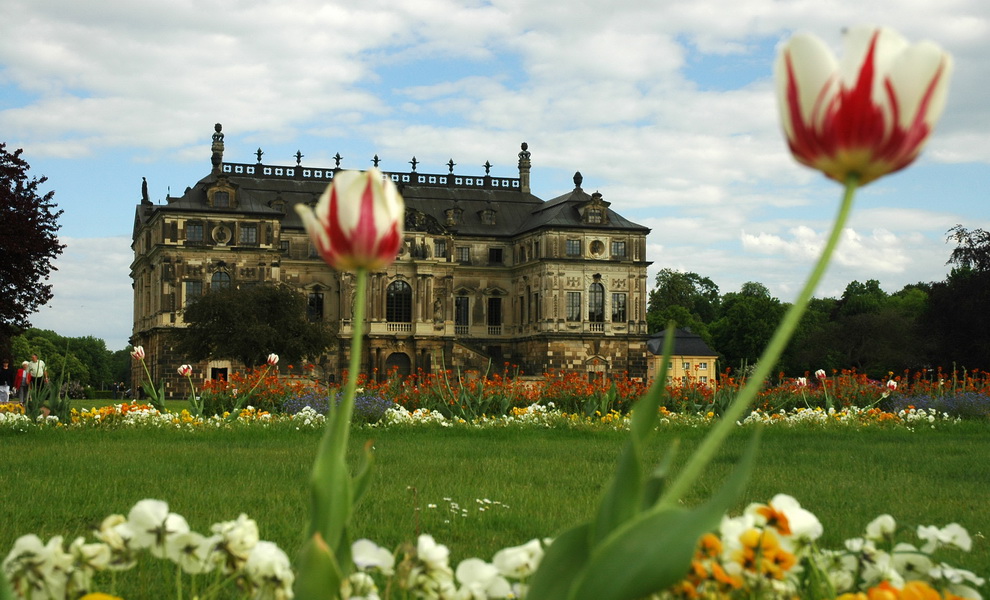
point(868, 115)
point(357, 222)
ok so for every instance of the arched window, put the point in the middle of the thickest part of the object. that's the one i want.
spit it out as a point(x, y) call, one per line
point(220, 281)
point(398, 302)
point(596, 303)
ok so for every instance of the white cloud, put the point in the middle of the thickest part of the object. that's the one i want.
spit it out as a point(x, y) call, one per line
point(603, 87)
point(92, 290)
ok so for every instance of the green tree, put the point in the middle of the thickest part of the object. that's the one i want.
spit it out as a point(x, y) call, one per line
point(249, 323)
point(28, 245)
point(747, 320)
point(688, 299)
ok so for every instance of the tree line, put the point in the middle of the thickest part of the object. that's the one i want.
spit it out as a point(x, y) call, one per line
point(923, 325)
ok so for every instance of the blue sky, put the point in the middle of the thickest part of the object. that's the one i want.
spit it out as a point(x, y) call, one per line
point(666, 108)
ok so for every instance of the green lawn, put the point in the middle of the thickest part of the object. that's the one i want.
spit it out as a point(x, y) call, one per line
point(65, 482)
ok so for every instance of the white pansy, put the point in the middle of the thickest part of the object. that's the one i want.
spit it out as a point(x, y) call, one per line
point(881, 528)
point(480, 581)
point(519, 562)
point(435, 556)
point(359, 586)
point(910, 561)
point(953, 534)
point(369, 555)
point(270, 572)
point(237, 538)
point(193, 552)
point(153, 524)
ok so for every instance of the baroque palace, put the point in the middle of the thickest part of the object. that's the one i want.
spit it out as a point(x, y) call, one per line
point(488, 271)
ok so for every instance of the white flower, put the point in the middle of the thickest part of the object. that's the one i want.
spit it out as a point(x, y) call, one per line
point(435, 556)
point(910, 562)
point(480, 581)
point(519, 562)
point(193, 551)
point(953, 534)
point(237, 539)
point(881, 528)
point(369, 555)
point(152, 525)
point(270, 572)
point(359, 586)
point(881, 568)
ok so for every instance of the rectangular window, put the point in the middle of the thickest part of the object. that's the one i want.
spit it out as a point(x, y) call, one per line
point(573, 247)
point(595, 215)
point(536, 250)
point(618, 308)
point(440, 248)
point(573, 306)
point(686, 366)
point(194, 232)
point(462, 307)
point(702, 366)
point(703, 379)
point(194, 289)
point(249, 234)
point(463, 254)
point(283, 246)
point(618, 249)
point(314, 307)
point(494, 312)
point(494, 256)
point(221, 200)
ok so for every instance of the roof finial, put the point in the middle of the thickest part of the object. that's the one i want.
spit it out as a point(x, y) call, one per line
point(299, 156)
point(450, 165)
point(259, 154)
point(488, 167)
point(375, 161)
point(217, 147)
point(414, 162)
point(578, 178)
point(337, 158)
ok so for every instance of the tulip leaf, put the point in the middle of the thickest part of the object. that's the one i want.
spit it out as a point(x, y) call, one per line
point(653, 551)
point(318, 572)
point(364, 469)
point(653, 486)
point(560, 567)
point(624, 494)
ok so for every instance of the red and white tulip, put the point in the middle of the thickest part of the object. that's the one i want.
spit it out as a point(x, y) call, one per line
point(864, 116)
point(272, 359)
point(185, 370)
point(357, 223)
point(138, 353)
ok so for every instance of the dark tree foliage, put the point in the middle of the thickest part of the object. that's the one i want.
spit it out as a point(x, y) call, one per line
point(248, 324)
point(972, 251)
point(688, 299)
point(746, 322)
point(28, 244)
point(958, 315)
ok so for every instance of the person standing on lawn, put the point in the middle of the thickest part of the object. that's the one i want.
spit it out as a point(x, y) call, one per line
point(39, 373)
point(6, 382)
point(21, 380)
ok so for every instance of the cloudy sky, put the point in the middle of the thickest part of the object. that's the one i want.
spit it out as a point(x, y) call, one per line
point(665, 106)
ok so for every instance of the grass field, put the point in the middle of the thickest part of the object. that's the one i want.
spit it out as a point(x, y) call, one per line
point(64, 482)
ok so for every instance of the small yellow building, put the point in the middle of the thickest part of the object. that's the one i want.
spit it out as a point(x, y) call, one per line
point(691, 361)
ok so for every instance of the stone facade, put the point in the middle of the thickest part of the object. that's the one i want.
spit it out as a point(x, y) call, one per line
point(487, 272)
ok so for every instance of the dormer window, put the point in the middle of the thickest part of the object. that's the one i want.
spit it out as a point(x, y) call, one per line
point(488, 217)
point(453, 216)
point(595, 211)
point(222, 195)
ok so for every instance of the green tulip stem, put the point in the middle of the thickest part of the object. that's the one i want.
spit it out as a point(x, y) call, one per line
point(332, 500)
point(342, 420)
point(767, 361)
